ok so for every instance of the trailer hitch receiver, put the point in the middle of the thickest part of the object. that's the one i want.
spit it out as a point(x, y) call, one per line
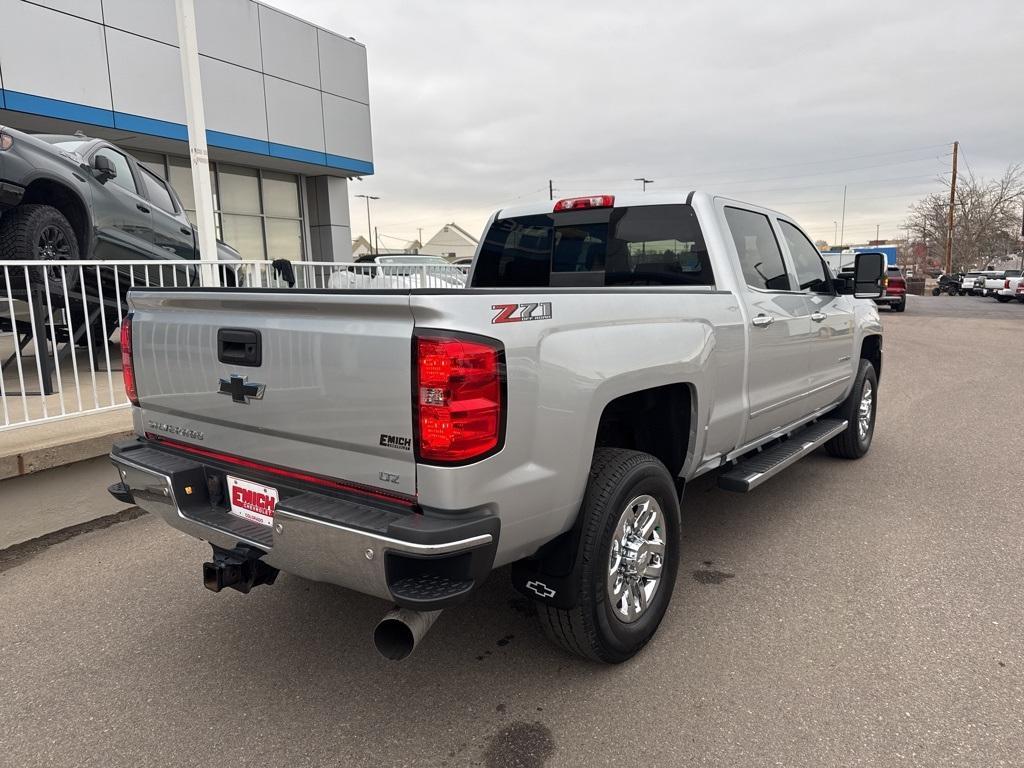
point(239, 568)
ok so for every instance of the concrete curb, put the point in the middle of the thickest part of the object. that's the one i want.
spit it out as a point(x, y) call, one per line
point(54, 444)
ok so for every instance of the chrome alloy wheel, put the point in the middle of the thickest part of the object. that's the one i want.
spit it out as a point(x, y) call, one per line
point(867, 401)
point(637, 558)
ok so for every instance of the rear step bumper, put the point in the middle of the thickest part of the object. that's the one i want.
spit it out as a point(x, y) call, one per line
point(751, 472)
point(418, 561)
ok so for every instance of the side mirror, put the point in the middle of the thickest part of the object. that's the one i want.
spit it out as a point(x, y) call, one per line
point(105, 169)
point(869, 271)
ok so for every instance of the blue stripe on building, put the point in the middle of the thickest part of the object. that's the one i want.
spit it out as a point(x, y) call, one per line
point(80, 113)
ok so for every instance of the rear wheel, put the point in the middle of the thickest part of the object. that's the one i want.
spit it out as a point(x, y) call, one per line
point(1003, 299)
point(859, 410)
point(629, 555)
point(901, 307)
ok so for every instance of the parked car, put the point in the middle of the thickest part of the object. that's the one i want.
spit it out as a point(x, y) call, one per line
point(980, 286)
point(968, 281)
point(405, 443)
point(997, 284)
point(74, 197)
point(1008, 291)
point(895, 284)
point(895, 290)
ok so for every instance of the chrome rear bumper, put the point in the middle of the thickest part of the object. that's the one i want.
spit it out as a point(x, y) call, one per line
point(347, 542)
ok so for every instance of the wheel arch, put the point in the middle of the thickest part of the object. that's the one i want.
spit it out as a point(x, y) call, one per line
point(46, 190)
point(658, 420)
point(871, 350)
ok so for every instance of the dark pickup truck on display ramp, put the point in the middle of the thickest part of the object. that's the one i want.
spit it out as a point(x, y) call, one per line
point(74, 197)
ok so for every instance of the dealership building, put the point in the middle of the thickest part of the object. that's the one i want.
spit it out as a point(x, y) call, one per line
point(286, 102)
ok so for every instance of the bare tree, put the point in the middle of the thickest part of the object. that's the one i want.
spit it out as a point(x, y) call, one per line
point(987, 220)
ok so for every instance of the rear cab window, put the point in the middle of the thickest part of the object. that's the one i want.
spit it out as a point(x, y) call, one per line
point(646, 245)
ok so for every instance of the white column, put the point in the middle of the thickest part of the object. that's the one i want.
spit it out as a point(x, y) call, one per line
point(196, 120)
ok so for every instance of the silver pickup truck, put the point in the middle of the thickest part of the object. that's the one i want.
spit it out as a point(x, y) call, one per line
point(405, 443)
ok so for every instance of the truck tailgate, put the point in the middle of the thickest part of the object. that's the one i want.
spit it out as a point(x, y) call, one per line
point(330, 394)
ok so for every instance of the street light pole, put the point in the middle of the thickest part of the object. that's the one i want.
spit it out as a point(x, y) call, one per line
point(369, 229)
point(835, 232)
point(842, 228)
point(644, 182)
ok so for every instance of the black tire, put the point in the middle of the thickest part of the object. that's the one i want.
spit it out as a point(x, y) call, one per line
point(33, 232)
point(850, 444)
point(901, 307)
point(1003, 299)
point(594, 629)
point(936, 291)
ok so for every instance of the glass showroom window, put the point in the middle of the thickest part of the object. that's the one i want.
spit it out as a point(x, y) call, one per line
point(257, 212)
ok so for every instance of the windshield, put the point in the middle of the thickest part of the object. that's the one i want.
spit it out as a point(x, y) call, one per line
point(637, 245)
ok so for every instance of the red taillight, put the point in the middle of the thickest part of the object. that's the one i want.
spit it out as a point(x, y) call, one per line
point(1006, 284)
point(578, 203)
point(127, 367)
point(459, 391)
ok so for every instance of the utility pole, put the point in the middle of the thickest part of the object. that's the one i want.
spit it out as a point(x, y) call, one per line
point(644, 182)
point(551, 190)
point(952, 204)
point(376, 242)
point(1022, 243)
point(842, 226)
point(877, 227)
point(420, 241)
point(835, 232)
point(197, 149)
point(369, 229)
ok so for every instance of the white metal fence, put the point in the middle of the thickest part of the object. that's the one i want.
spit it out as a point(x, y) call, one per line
point(59, 346)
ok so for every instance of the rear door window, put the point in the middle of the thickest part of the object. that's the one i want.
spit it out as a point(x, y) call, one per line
point(157, 192)
point(629, 246)
point(760, 256)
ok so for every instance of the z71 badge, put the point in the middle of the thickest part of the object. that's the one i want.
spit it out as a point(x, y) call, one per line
point(517, 313)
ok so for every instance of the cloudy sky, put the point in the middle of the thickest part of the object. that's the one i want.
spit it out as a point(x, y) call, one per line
point(477, 104)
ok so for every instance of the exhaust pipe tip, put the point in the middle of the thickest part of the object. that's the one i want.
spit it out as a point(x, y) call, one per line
point(400, 631)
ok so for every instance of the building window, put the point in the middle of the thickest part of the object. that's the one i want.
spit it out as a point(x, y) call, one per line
point(258, 213)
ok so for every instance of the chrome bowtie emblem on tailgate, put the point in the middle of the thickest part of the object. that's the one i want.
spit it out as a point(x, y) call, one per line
point(240, 389)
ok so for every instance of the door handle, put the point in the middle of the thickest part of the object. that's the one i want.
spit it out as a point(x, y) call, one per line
point(818, 316)
point(763, 321)
point(142, 208)
point(186, 230)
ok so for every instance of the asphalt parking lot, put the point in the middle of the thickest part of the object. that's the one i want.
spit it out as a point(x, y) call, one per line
point(847, 613)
